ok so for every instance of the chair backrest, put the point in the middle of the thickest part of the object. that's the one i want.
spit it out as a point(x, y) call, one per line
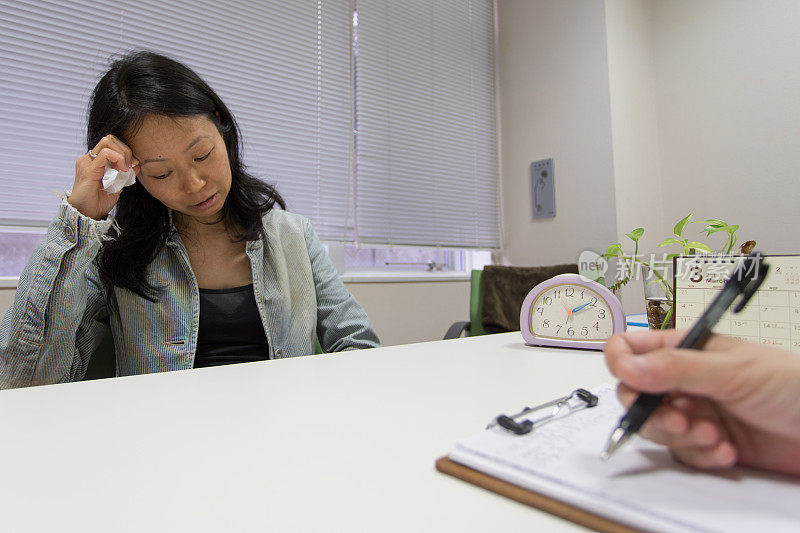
point(475, 304)
point(503, 290)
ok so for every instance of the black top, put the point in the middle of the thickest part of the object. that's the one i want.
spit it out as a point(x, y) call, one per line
point(231, 330)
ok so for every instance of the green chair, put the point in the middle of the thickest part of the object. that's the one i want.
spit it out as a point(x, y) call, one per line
point(498, 290)
point(474, 326)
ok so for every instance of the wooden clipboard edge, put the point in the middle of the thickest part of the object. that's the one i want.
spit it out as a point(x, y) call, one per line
point(534, 499)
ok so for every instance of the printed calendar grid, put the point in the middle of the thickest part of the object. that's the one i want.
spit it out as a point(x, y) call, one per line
point(772, 317)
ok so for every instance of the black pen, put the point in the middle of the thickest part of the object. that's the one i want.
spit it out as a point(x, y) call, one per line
point(745, 280)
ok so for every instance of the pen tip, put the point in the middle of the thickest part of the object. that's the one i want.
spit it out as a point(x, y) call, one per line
point(617, 439)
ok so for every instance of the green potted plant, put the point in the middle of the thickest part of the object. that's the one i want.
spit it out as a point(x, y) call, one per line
point(659, 292)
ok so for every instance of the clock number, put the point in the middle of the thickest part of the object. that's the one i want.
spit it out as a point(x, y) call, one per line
point(548, 300)
point(569, 292)
point(557, 293)
point(558, 329)
point(596, 326)
point(594, 301)
point(584, 331)
point(601, 313)
point(546, 323)
point(571, 332)
point(540, 310)
point(582, 294)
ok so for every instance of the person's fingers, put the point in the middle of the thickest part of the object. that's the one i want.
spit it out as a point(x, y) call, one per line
point(691, 406)
point(626, 394)
point(112, 157)
point(721, 455)
point(683, 403)
point(111, 141)
point(639, 342)
point(674, 429)
point(666, 426)
point(680, 422)
point(123, 148)
point(644, 341)
point(705, 373)
point(666, 420)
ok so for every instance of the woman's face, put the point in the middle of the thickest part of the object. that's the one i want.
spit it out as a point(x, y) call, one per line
point(184, 165)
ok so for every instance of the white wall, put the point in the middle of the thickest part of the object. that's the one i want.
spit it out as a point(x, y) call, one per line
point(652, 109)
point(634, 131)
point(413, 312)
point(728, 93)
point(554, 102)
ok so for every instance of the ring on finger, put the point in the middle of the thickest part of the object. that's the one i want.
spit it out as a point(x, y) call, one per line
point(92, 155)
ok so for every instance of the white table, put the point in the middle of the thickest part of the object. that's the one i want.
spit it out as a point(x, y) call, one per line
point(341, 442)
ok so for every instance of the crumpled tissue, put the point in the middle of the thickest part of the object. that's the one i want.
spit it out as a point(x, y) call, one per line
point(114, 180)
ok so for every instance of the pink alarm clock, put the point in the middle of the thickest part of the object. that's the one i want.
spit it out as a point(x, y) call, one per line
point(570, 311)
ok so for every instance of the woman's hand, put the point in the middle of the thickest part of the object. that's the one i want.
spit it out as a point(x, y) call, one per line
point(87, 194)
point(732, 402)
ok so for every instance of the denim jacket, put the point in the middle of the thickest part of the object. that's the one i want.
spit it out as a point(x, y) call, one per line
point(60, 315)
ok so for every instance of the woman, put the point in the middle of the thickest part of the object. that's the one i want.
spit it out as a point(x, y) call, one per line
point(197, 268)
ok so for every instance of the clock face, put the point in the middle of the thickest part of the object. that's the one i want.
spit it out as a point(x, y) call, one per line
point(573, 312)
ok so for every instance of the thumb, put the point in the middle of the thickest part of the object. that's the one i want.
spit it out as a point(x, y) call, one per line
point(709, 373)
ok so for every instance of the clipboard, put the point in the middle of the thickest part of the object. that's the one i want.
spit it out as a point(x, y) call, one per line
point(555, 466)
point(523, 423)
point(533, 499)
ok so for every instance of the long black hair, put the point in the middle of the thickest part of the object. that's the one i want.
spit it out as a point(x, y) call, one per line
point(142, 84)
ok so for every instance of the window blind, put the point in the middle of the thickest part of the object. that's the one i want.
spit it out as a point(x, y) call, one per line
point(425, 168)
point(282, 67)
point(423, 153)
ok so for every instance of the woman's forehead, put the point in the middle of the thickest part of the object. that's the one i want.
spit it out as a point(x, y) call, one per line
point(170, 134)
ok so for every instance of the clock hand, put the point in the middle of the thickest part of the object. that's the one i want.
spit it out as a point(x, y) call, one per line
point(567, 309)
point(581, 307)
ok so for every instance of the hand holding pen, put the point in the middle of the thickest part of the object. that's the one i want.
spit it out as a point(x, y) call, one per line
point(731, 403)
point(744, 281)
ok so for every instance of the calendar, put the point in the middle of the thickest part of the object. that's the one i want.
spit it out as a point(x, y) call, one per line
point(772, 317)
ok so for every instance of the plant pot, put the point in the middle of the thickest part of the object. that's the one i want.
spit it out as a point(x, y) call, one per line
point(658, 294)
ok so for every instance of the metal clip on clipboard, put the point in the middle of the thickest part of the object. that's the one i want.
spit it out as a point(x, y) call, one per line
point(579, 399)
